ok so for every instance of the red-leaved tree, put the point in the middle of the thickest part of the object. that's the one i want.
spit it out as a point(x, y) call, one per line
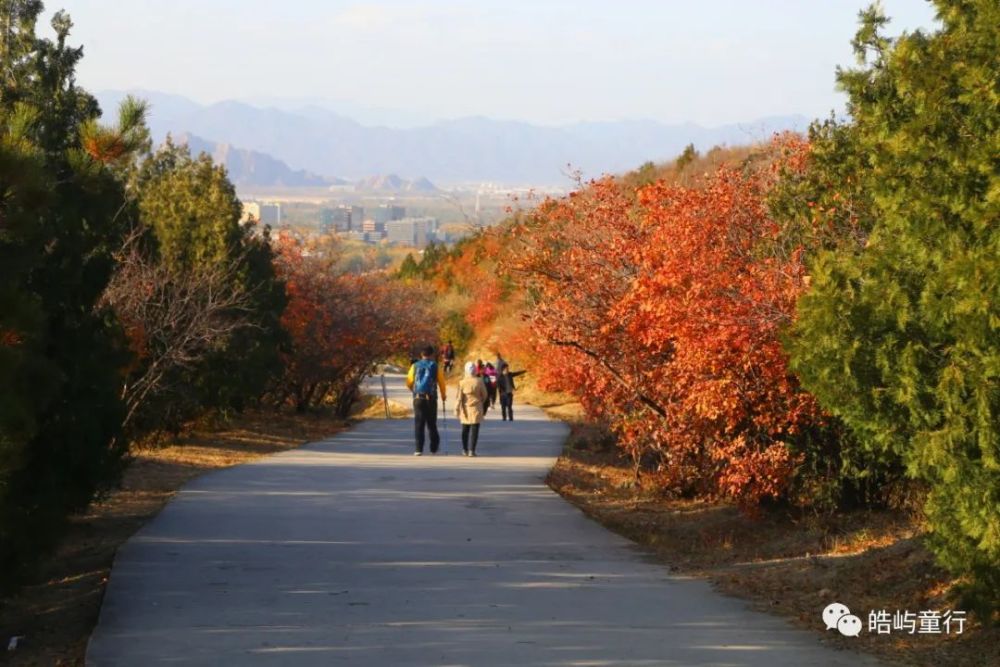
point(340, 325)
point(661, 307)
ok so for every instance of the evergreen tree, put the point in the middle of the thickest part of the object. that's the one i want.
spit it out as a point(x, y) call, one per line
point(687, 156)
point(191, 206)
point(192, 209)
point(62, 214)
point(409, 269)
point(900, 333)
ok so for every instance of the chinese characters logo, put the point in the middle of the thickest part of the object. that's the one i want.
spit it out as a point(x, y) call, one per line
point(837, 616)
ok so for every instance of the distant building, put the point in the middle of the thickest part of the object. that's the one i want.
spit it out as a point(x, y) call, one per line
point(270, 214)
point(327, 223)
point(374, 227)
point(264, 213)
point(251, 209)
point(439, 236)
point(384, 213)
point(356, 215)
point(343, 218)
point(414, 232)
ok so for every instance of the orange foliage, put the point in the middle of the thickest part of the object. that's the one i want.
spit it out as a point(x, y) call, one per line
point(340, 324)
point(103, 148)
point(661, 307)
point(10, 338)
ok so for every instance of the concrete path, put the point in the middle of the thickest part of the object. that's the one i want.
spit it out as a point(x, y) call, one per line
point(352, 551)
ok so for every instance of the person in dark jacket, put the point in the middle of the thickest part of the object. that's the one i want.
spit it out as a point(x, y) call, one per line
point(481, 374)
point(505, 388)
point(448, 354)
point(426, 379)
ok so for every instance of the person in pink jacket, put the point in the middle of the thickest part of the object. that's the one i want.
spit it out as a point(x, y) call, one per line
point(490, 375)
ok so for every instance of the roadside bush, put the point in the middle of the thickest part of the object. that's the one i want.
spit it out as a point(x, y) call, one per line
point(899, 334)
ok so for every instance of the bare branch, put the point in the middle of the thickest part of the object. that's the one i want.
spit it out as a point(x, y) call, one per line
point(174, 318)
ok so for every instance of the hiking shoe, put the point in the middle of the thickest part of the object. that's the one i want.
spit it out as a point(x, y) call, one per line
point(465, 452)
point(472, 454)
point(418, 453)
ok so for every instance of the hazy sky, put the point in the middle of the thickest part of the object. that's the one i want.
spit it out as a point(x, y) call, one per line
point(544, 61)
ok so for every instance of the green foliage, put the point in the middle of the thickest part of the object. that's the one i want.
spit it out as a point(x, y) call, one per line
point(117, 146)
point(900, 333)
point(192, 209)
point(409, 269)
point(257, 350)
point(687, 156)
point(61, 218)
point(455, 328)
point(645, 174)
point(433, 257)
point(191, 206)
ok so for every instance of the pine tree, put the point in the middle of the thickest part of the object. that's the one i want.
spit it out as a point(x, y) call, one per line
point(62, 214)
point(408, 269)
point(900, 333)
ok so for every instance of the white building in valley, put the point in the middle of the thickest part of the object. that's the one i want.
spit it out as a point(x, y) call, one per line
point(263, 212)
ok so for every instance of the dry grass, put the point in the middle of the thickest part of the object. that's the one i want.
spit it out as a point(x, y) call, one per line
point(373, 407)
point(56, 614)
point(784, 562)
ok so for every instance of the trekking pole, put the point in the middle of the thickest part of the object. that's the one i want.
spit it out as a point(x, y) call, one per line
point(444, 424)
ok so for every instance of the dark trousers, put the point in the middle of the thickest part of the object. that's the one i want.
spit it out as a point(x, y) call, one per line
point(507, 406)
point(425, 414)
point(470, 436)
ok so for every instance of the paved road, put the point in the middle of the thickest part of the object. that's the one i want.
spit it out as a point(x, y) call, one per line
point(351, 551)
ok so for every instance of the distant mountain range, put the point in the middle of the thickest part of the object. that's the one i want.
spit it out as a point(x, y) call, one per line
point(252, 168)
point(315, 140)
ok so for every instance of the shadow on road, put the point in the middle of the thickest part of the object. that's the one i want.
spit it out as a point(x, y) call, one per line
point(352, 551)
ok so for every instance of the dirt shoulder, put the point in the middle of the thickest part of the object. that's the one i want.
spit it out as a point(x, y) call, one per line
point(55, 615)
point(791, 565)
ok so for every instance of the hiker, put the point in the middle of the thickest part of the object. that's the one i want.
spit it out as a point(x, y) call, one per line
point(505, 387)
point(423, 378)
point(470, 408)
point(491, 385)
point(448, 353)
point(481, 374)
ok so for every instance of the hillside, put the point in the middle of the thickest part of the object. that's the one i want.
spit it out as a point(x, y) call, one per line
point(393, 183)
point(251, 168)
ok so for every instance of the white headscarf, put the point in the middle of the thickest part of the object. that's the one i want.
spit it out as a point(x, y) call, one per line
point(470, 368)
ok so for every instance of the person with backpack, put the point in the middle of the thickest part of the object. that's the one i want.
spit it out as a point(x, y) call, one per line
point(425, 378)
point(505, 387)
point(470, 408)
